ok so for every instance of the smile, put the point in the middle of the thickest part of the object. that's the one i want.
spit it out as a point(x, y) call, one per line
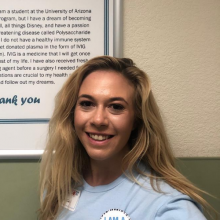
point(97, 137)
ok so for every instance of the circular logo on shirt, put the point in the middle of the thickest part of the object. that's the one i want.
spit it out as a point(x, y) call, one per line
point(115, 214)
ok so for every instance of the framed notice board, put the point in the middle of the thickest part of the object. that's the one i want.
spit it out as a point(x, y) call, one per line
point(41, 43)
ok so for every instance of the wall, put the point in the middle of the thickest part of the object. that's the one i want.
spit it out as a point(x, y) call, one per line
point(178, 44)
point(19, 198)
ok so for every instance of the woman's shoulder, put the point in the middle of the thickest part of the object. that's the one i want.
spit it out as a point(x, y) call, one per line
point(165, 201)
point(155, 186)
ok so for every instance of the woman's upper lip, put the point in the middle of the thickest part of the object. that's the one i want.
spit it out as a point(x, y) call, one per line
point(98, 133)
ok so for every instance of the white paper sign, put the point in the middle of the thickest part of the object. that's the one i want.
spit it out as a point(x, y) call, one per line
point(41, 43)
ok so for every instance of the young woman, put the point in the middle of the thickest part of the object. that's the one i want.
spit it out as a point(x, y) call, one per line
point(107, 155)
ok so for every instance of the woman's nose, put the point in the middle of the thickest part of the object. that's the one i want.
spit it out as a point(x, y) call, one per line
point(99, 117)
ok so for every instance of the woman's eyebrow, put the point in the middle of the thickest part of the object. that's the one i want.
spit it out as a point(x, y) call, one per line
point(86, 96)
point(111, 99)
point(118, 99)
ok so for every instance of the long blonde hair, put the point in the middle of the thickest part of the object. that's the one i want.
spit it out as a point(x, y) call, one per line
point(65, 158)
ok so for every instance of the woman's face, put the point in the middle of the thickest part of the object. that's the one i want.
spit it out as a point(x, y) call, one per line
point(104, 115)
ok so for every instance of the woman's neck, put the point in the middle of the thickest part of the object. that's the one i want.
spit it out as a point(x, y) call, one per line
point(103, 172)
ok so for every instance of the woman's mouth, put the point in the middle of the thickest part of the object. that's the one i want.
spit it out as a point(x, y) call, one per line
point(98, 137)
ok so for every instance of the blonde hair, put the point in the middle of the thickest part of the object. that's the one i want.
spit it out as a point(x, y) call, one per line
point(65, 159)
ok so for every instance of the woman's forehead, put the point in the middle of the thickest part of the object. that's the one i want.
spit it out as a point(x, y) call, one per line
point(106, 82)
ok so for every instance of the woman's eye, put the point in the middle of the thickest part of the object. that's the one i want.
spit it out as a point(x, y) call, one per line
point(85, 104)
point(116, 107)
